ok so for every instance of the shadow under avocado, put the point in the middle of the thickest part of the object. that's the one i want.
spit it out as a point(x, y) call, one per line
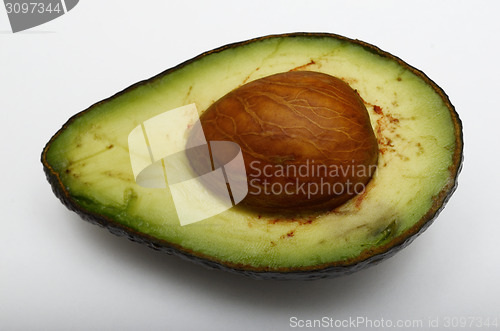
point(275, 295)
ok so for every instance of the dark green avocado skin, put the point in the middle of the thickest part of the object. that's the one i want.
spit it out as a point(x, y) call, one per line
point(328, 271)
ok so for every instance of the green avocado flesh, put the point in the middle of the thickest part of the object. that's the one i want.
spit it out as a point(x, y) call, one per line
point(417, 130)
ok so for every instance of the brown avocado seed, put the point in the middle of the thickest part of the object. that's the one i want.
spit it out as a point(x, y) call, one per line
point(306, 140)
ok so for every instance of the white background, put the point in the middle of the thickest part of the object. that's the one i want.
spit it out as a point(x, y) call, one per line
point(60, 273)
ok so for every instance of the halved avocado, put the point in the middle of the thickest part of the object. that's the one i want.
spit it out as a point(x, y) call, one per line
point(420, 155)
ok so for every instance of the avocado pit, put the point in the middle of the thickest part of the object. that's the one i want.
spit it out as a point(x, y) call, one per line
point(306, 140)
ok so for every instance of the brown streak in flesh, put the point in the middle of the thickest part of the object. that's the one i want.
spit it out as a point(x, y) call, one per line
point(304, 66)
point(250, 75)
point(386, 123)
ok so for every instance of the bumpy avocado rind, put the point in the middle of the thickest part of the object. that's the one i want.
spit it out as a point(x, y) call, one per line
point(420, 156)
